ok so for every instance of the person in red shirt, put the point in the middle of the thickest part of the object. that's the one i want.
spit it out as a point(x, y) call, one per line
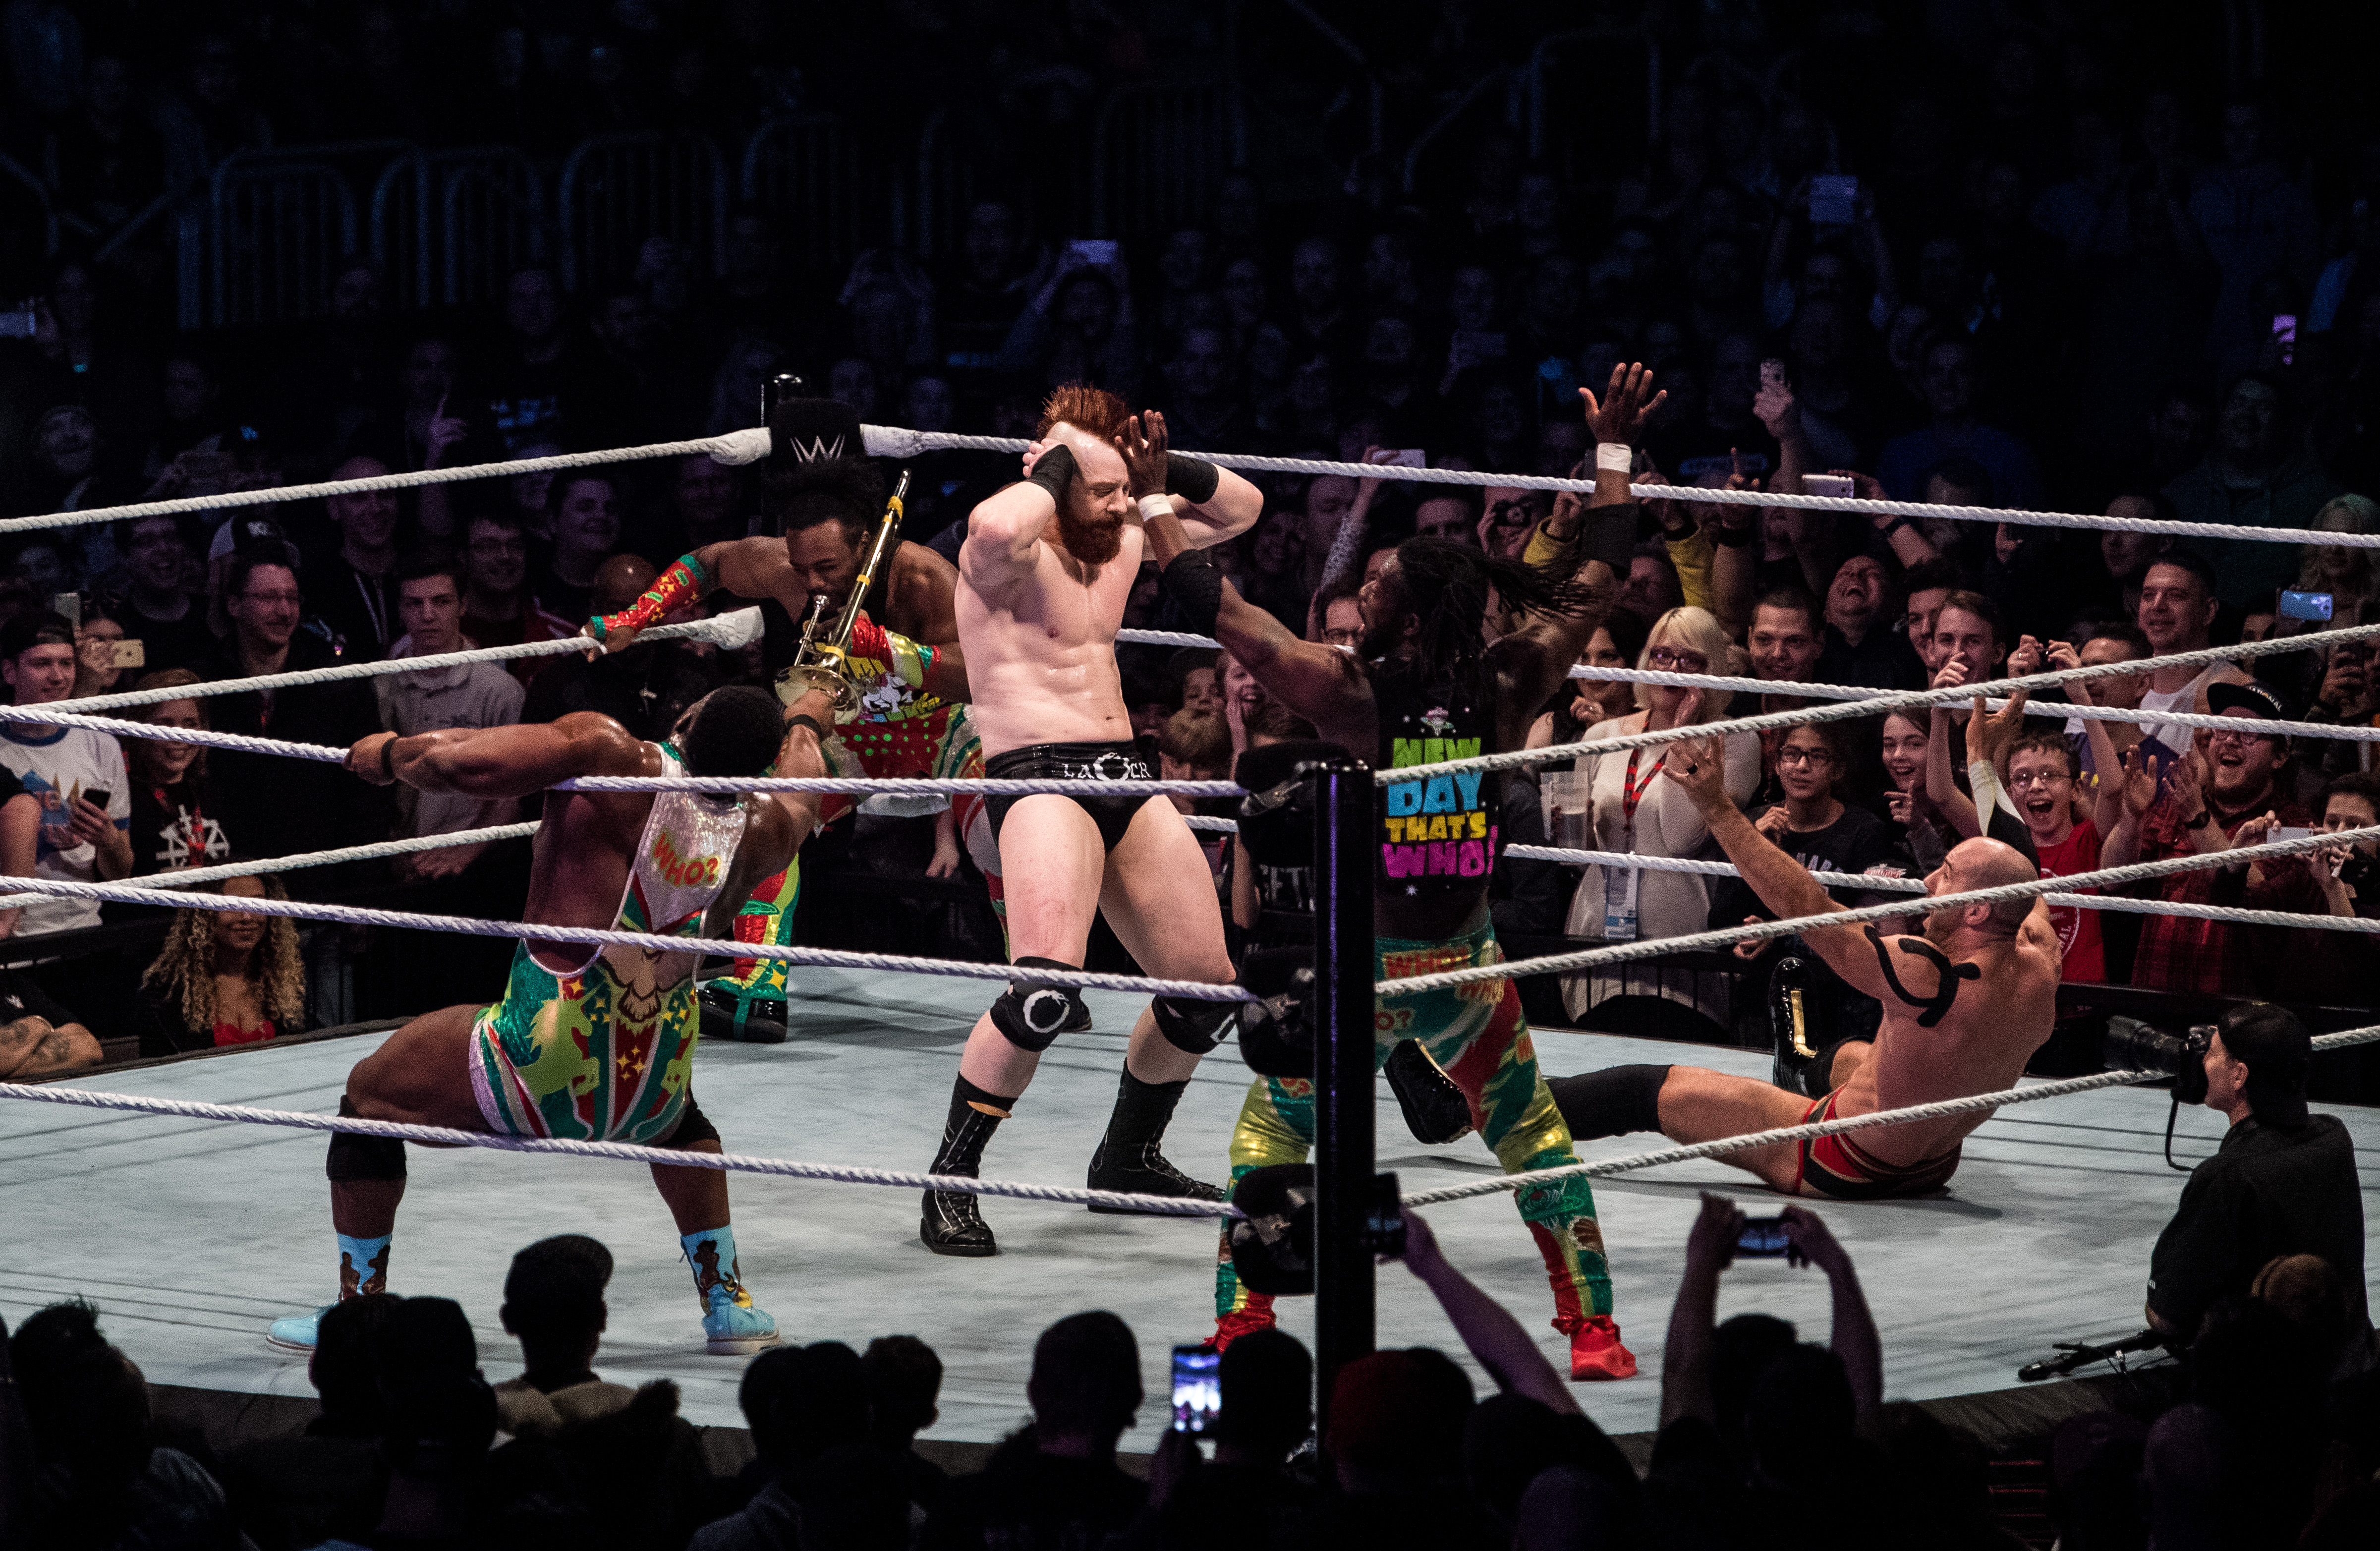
point(2200, 803)
point(2041, 778)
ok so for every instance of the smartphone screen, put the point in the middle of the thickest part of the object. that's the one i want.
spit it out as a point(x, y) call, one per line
point(2283, 831)
point(1826, 484)
point(1408, 457)
point(97, 798)
point(130, 654)
point(2304, 605)
point(1834, 201)
point(1096, 251)
point(1762, 1236)
point(2285, 335)
point(1197, 1389)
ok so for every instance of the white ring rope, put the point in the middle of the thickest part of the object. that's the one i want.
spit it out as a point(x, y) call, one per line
point(1629, 861)
point(730, 631)
point(2106, 877)
point(191, 877)
point(1878, 704)
point(1749, 1140)
point(411, 480)
point(895, 441)
point(627, 1152)
point(469, 926)
point(984, 787)
point(1154, 1204)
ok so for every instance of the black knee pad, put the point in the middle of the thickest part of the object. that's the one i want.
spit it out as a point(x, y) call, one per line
point(1611, 1102)
point(693, 1127)
point(1190, 1026)
point(362, 1157)
point(1033, 1016)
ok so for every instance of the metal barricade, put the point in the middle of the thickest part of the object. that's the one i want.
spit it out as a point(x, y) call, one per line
point(1157, 152)
point(806, 172)
point(492, 219)
point(281, 224)
point(618, 190)
point(32, 190)
point(1624, 90)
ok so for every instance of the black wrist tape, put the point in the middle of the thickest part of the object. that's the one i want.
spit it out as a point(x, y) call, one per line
point(1053, 471)
point(1196, 585)
point(1193, 478)
point(810, 721)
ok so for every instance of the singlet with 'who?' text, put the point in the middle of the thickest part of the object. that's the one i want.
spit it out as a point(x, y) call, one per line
point(1438, 832)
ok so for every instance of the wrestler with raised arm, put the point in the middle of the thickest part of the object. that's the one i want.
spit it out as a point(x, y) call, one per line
point(595, 1043)
point(1965, 1005)
point(1422, 686)
point(1043, 578)
point(822, 498)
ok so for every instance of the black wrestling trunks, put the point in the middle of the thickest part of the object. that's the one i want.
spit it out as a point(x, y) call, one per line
point(1122, 761)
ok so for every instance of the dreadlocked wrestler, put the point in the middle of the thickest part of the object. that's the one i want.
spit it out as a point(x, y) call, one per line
point(592, 1044)
point(825, 498)
point(1423, 688)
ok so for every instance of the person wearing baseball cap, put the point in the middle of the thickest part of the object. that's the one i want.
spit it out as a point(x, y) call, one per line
point(2231, 790)
point(2283, 1182)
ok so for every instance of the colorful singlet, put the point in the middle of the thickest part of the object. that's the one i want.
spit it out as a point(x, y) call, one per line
point(1437, 835)
point(898, 729)
point(604, 1052)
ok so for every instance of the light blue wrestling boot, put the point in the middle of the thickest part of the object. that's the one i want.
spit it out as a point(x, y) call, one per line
point(363, 1268)
point(733, 1325)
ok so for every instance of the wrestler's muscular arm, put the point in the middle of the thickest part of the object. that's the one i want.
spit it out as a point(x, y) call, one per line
point(1321, 683)
point(782, 820)
point(510, 761)
point(1697, 767)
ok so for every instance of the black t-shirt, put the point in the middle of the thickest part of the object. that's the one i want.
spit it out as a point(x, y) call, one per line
point(182, 643)
point(2268, 1191)
point(1854, 843)
point(175, 827)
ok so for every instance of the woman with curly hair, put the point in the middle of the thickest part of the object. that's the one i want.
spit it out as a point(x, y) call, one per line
point(225, 977)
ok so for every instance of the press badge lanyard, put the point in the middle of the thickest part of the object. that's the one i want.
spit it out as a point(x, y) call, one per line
point(1620, 883)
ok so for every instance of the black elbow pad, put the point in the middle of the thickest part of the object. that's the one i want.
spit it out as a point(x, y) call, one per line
point(1194, 583)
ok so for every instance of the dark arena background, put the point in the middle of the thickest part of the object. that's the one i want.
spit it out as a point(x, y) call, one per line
point(1353, 585)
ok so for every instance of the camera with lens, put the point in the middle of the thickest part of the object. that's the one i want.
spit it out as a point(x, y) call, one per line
point(1272, 1246)
point(2133, 1046)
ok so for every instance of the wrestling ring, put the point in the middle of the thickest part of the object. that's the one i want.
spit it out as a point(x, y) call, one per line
point(187, 1200)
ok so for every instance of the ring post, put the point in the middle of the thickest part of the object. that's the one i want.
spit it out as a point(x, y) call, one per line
point(1342, 1067)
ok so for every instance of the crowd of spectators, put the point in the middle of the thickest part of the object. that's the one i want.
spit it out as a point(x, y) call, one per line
point(1765, 1438)
point(2104, 293)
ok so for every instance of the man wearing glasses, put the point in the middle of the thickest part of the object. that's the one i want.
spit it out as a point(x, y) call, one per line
point(278, 806)
point(498, 609)
point(2200, 802)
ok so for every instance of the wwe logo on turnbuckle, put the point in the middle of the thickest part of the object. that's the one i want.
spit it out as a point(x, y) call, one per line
point(817, 449)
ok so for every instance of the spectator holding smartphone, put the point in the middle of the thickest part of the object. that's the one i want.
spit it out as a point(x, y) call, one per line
point(76, 774)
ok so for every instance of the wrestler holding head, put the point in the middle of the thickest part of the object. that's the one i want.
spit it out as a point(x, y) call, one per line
point(1048, 566)
point(1965, 1005)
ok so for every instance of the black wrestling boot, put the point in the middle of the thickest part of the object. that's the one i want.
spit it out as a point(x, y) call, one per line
point(949, 1222)
point(1128, 1158)
point(751, 1019)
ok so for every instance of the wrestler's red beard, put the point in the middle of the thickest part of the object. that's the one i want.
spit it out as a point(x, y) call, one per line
point(1094, 540)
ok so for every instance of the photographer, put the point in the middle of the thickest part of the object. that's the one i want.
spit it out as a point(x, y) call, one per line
point(2283, 1181)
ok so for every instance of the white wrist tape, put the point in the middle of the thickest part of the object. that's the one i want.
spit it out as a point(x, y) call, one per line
point(1617, 456)
point(1154, 506)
